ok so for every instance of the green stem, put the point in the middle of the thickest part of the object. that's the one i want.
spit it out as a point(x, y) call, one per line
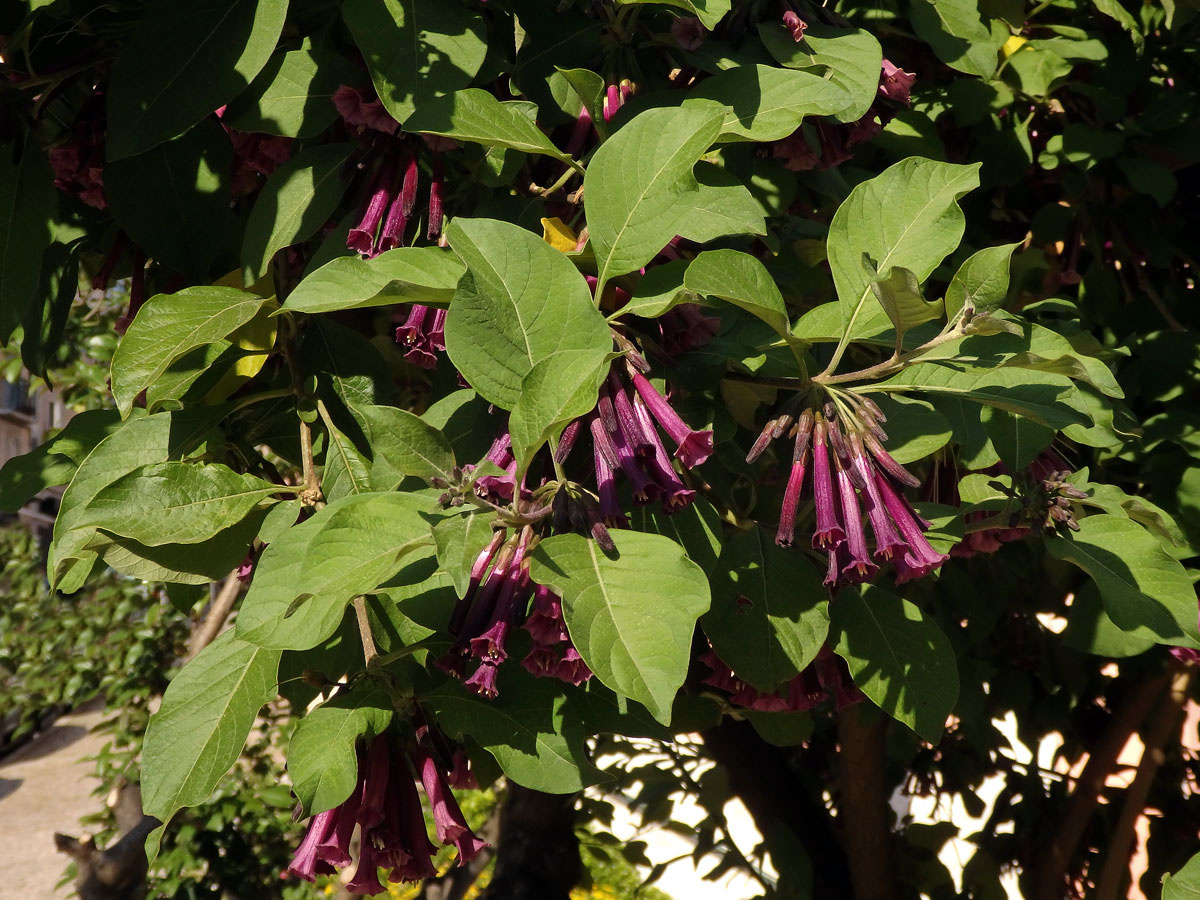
point(251, 399)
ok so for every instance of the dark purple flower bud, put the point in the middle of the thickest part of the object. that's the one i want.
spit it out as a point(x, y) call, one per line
point(362, 236)
point(837, 440)
point(894, 83)
point(795, 25)
point(601, 536)
point(859, 568)
point(436, 188)
point(764, 438)
point(566, 441)
point(606, 483)
point(580, 132)
point(829, 533)
point(890, 465)
point(448, 819)
point(693, 447)
point(791, 500)
point(408, 189)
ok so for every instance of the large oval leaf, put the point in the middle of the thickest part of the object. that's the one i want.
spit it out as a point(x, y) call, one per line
point(898, 656)
point(520, 302)
point(201, 727)
point(630, 615)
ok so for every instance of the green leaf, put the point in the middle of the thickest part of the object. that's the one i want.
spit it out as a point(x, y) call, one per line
point(293, 94)
point(182, 61)
point(172, 199)
point(849, 58)
point(709, 12)
point(659, 290)
point(175, 502)
point(1017, 439)
point(764, 103)
point(346, 470)
point(403, 444)
point(426, 275)
point(416, 49)
point(724, 206)
point(953, 29)
point(477, 116)
point(305, 578)
point(899, 293)
point(1140, 583)
point(520, 302)
point(531, 730)
point(639, 188)
point(975, 450)
point(981, 282)
point(1184, 884)
point(27, 203)
point(168, 326)
point(138, 442)
point(631, 616)
point(898, 657)
point(742, 280)
point(923, 223)
point(1119, 14)
point(562, 387)
point(459, 540)
point(321, 758)
point(769, 614)
point(201, 727)
point(298, 198)
point(1047, 400)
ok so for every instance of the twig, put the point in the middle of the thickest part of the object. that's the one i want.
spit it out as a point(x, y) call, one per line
point(218, 612)
point(862, 805)
point(370, 651)
point(1164, 724)
point(1051, 878)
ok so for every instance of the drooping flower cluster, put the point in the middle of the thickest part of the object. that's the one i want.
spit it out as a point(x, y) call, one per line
point(852, 476)
point(496, 601)
point(386, 808)
point(825, 677)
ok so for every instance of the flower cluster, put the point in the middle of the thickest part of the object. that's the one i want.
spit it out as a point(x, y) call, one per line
point(496, 601)
point(852, 476)
point(825, 677)
point(387, 810)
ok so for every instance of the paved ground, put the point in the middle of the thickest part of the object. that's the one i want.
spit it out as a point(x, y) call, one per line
point(44, 788)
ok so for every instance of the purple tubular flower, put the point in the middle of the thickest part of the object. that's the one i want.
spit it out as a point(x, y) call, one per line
point(583, 127)
point(545, 623)
point(693, 447)
point(639, 438)
point(483, 681)
point(795, 25)
point(416, 335)
point(839, 561)
point(566, 441)
point(859, 568)
point(306, 863)
point(888, 464)
point(791, 499)
point(887, 539)
point(499, 488)
point(895, 83)
point(448, 819)
point(675, 495)
point(436, 186)
point(829, 533)
point(644, 490)
point(366, 875)
point(362, 236)
point(612, 102)
point(921, 558)
point(606, 483)
point(410, 850)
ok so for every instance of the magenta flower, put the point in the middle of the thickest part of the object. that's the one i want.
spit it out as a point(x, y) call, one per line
point(693, 447)
point(423, 334)
point(361, 238)
point(895, 83)
point(448, 819)
point(796, 25)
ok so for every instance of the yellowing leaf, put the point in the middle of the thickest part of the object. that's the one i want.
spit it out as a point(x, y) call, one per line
point(1012, 45)
point(559, 235)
